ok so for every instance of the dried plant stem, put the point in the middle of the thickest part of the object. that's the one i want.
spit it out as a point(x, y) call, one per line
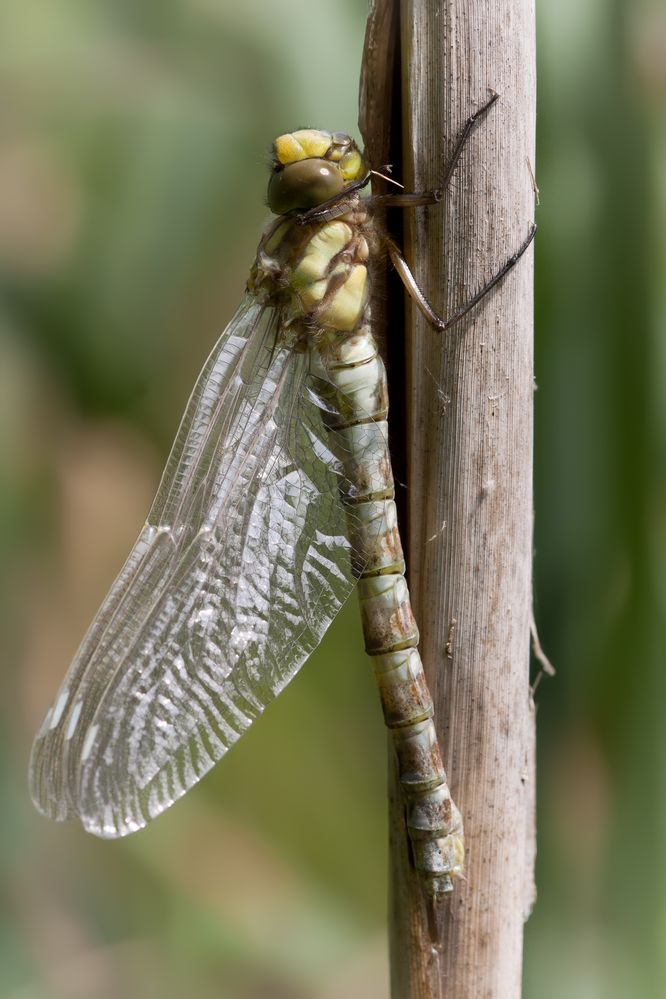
point(468, 444)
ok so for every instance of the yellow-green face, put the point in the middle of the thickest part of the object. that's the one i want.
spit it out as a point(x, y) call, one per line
point(310, 167)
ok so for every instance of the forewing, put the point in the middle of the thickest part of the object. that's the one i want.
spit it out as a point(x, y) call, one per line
point(243, 563)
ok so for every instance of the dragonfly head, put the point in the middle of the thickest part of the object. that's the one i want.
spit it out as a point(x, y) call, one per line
point(309, 167)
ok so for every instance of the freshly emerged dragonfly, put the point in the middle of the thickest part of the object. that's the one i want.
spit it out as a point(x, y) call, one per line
point(276, 500)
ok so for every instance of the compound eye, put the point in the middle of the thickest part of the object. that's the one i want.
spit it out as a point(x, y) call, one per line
point(303, 185)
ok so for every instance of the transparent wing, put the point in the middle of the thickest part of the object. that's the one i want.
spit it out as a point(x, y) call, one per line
point(242, 565)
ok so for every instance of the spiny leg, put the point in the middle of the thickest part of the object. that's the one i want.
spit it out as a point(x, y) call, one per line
point(468, 128)
point(417, 199)
point(422, 303)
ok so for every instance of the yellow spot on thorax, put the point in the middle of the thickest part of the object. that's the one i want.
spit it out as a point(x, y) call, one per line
point(346, 307)
point(324, 245)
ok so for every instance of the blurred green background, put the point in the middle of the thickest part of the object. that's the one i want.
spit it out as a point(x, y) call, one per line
point(133, 148)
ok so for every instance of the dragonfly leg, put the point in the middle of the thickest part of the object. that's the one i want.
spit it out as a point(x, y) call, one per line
point(414, 291)
point(418, 199)
point(469, 126)
point(411, 285)
point(335, 206)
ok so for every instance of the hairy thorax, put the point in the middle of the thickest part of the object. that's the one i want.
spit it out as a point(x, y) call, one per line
point(316, 272)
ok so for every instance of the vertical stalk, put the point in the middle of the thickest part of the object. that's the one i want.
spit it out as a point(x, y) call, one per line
point(468, 444)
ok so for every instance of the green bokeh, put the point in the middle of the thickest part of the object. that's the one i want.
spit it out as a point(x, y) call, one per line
point(133, 147)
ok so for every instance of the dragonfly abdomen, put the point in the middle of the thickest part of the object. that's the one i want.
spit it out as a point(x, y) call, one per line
point(356, 404)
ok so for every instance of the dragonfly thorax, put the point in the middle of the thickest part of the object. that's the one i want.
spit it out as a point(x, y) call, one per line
point(316, 273)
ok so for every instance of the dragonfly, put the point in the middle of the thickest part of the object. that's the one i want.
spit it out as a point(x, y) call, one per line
point(277, 499)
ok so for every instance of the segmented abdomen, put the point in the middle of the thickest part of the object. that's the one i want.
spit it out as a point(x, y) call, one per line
point(357, 374)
